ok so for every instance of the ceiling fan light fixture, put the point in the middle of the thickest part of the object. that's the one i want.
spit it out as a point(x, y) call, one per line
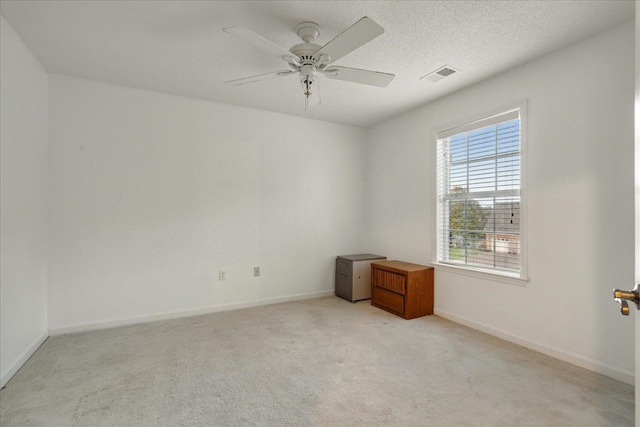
point(307, 77)
point(310, 90)
point(307, 83)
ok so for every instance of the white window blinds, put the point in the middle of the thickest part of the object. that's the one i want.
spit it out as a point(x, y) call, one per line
point(479, 177)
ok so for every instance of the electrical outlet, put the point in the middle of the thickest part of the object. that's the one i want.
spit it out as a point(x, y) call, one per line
point(256, 271)
point(222, 275)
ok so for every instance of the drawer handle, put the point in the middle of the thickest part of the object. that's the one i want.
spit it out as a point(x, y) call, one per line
point(343, 263)
point(342, 275)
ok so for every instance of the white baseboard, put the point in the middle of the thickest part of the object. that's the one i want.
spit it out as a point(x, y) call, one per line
point(575, 359)
point(187, 313)
point(21, 359)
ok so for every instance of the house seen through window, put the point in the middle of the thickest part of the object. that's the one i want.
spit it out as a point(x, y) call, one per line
point(479, 194)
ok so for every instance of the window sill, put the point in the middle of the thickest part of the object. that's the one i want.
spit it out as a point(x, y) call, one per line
point(481, 274)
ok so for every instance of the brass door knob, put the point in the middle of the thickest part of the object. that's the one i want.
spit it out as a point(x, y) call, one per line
point(621, 297)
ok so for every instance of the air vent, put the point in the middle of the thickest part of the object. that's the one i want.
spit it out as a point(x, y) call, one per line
point(439, 74)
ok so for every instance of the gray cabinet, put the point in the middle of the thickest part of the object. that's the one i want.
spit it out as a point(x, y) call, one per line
point(353, 276)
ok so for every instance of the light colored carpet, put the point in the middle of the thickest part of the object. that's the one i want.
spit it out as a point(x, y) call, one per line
point(319, 362)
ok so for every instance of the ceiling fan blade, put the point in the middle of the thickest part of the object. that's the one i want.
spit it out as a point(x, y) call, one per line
point(260, 42)
point(259, 78)
point(349, 40)
point(365, 77)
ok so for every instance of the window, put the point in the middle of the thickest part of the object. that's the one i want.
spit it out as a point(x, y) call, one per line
point(479, 191)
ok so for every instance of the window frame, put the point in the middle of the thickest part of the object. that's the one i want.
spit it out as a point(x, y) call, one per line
point(518, 278)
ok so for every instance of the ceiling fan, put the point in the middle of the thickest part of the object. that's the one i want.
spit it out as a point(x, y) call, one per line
point(309, 60)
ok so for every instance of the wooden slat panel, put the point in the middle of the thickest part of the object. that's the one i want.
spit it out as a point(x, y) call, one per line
point(391, 281)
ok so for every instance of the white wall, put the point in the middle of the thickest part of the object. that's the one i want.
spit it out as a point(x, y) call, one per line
point(152, 194)
point(23, 211)
point(580, 158)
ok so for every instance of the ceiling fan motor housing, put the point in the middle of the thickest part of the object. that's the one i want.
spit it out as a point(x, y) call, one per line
point(305, 51)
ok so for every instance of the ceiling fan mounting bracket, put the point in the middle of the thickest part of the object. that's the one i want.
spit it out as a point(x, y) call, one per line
point(308, 31)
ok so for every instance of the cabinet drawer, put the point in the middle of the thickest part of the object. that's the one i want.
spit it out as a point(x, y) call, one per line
point(390, 281)
point(344, 286)
point(343, 277)
point(389, 300)
point(344, 266)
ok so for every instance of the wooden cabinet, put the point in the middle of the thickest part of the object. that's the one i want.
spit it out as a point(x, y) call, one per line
point(402, 288)
point(353, 276)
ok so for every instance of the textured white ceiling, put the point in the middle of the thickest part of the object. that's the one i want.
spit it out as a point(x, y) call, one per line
point(179, 47)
